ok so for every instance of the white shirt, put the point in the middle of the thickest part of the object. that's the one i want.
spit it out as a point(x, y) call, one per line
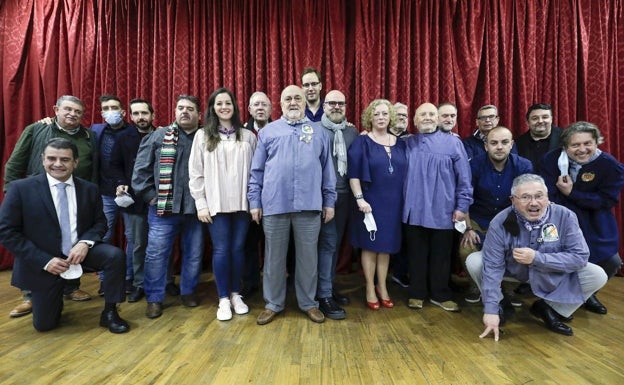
point(70, 190)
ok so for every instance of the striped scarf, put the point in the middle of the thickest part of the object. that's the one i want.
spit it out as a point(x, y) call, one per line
point(167, 161)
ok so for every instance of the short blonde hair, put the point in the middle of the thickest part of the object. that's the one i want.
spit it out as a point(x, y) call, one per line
point(367, 116)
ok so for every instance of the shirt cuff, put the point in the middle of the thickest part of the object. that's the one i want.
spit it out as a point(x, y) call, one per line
point(87, 242)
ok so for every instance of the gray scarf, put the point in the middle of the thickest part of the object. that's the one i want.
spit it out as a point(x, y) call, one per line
point(340, 148)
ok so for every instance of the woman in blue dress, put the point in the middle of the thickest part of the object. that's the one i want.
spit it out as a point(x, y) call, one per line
point(377, 166)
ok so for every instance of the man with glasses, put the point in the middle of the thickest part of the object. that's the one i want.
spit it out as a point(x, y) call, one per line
point(292, 183)
point(312, 85)
point(259, 111)
point(541, 243)
point(399, 261)
point(542, 135)
point(487, 118)
point(341, 135)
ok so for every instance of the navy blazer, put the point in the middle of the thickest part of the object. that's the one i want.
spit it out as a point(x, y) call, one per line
point(30, 230)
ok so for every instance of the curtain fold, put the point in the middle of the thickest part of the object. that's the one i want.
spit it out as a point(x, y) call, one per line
point(470, 52)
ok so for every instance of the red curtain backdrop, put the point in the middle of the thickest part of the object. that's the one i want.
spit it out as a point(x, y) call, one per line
point(568, 53)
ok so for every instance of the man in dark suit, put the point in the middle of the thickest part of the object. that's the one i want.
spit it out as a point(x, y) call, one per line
point(30, 227)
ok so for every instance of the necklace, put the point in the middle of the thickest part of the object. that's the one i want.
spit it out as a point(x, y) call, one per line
point(227, 132)
point(388, 149)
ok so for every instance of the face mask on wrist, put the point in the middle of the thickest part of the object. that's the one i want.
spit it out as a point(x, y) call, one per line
point(112, 117)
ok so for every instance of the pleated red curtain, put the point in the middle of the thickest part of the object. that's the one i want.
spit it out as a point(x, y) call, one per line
point(471, 52)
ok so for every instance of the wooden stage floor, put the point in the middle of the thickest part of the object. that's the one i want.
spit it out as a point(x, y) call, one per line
point(390, 346)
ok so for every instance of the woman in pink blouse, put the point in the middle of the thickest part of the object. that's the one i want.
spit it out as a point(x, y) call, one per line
point(219, 169)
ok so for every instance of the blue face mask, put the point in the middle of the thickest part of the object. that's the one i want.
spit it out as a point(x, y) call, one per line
point(112, 117)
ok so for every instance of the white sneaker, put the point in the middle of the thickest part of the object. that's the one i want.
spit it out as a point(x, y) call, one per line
point(224, 313)
point(238, 304)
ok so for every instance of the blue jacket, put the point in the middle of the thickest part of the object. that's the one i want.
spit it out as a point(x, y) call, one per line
point(594, 194)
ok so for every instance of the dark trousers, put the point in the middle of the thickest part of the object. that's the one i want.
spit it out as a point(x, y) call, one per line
point(429, 254)
point(48, 304)
point(251, 267)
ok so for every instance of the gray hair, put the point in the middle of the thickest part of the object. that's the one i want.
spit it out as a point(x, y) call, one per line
point(580, 128)
point(258, 93)
point(400, 105)
point(527, 178)
point(69, 98)
point(487, 107)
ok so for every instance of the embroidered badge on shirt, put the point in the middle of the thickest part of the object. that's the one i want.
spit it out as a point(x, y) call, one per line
point(307, 129)
point(550, 233)
point(587, 176)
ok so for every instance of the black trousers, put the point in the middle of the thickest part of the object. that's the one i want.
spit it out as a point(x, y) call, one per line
point(429, 255)
point(48, 304)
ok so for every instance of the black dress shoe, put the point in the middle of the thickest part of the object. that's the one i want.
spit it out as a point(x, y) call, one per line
point(593, 305)
point(330, 308)
point(154, 310)
point(136, 294)
point(540, 309)
point(111, 320)
point(340, 298)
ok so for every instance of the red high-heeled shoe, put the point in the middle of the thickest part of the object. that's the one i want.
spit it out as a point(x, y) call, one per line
point(373, 305)
point(384, 302)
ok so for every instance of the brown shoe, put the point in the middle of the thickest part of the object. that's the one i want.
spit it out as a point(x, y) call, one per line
point(78, 295)
point(21, 310)
point(189, 300)
point(154, 310)
point(265, 317)
point(315, 315)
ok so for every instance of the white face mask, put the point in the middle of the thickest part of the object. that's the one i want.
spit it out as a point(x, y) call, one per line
point(113, 118)
point(371, 226)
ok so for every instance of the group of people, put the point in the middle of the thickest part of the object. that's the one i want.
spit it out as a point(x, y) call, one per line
point(310, 171)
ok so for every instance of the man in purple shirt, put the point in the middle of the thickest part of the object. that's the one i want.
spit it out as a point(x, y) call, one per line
point(437, 193)
point(541, 243)
point(292, 183)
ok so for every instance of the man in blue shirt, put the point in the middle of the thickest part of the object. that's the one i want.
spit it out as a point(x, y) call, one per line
point(292, 183)
point(312, 86)
point(487, 119)
point(492, 175)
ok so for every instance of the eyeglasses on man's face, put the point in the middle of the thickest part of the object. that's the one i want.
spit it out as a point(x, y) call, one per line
point(311, 84)
point(402, 116)
point(527, 198)
point(335, 104)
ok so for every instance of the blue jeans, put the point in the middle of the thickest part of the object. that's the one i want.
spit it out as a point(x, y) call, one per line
point(161, 235)
point(228, 232)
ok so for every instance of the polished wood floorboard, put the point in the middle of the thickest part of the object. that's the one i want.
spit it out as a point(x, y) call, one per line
point(390, 346)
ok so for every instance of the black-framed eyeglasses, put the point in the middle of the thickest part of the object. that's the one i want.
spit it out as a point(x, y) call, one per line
point(487, 117)
point(311, 84)
point(335, 104)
